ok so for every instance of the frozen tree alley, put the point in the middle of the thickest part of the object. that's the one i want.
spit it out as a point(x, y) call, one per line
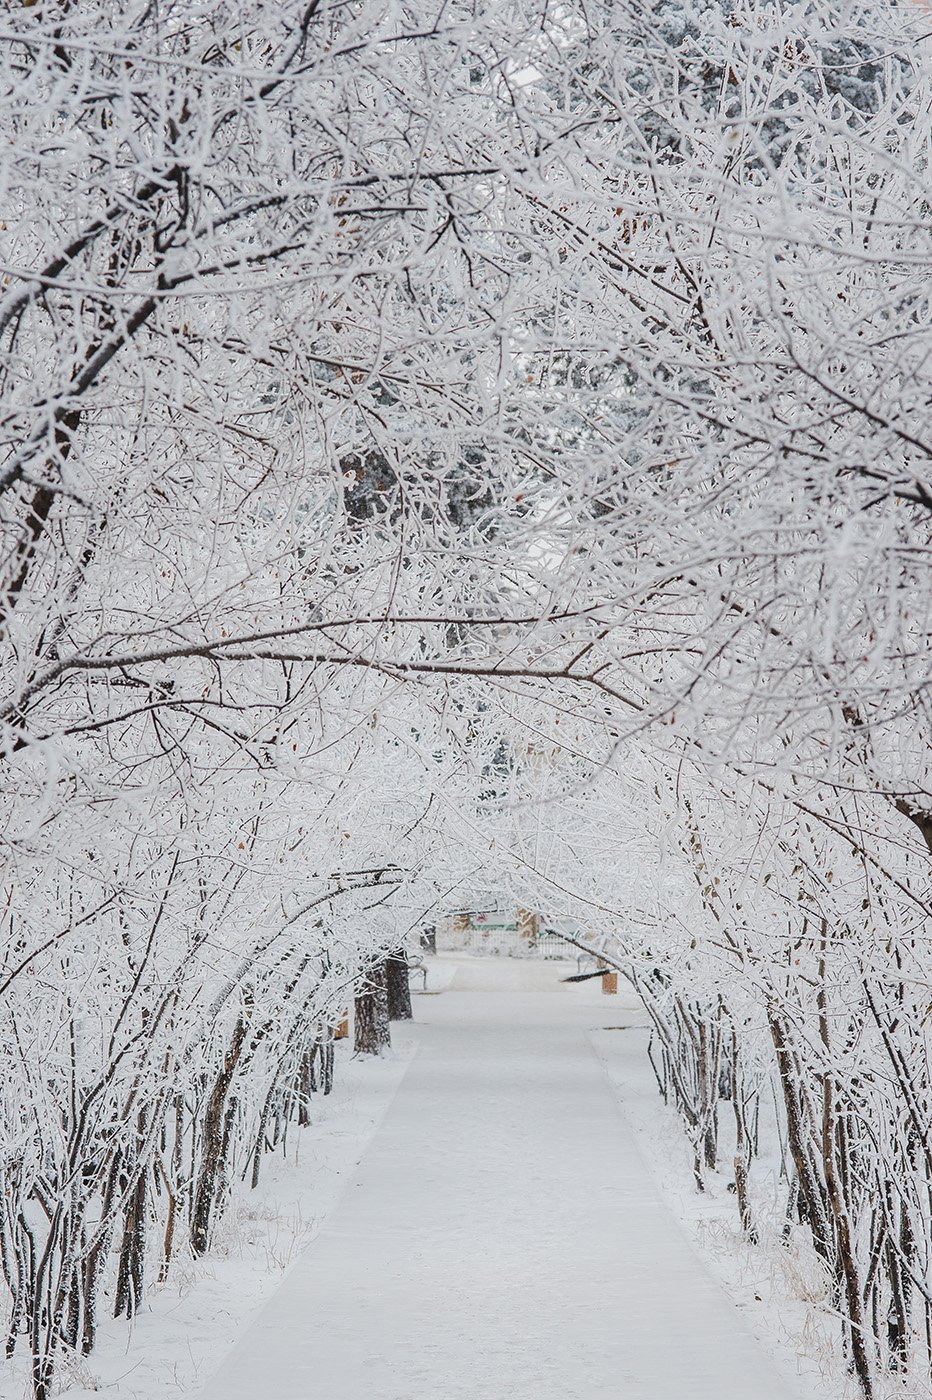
point(462, 455)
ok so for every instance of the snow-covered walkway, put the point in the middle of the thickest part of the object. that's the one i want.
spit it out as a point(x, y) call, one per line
point(502, 1237)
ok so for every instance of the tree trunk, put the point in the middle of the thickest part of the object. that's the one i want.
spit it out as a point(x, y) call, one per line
point(132, 1252)
point(214, 1137)
point(742, 1144)
point(399, 987)
point(373, 1034)
point(325, 1055)
point(837, 1197)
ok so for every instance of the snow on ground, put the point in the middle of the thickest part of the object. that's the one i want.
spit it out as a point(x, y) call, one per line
point(187, 1326)
point(492, 1231)
point(502, 1238)
point(780, 1288)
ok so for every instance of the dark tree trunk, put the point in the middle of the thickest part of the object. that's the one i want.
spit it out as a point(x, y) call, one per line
point(307, 1084)
point(215, 1134)
point(742, 1145)
point(399, 987)
point(132, 1252)
point(168, 1239)
point(262, 1137)
point(373, 1034)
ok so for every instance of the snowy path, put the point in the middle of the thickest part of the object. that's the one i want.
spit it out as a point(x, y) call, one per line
point(501, 1239)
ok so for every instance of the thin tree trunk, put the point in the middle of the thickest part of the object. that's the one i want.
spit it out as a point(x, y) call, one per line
point(838, 1205)
point(742, 1145)
point(810, 1197)
point(213, 1141)
point(325, 1054)
point(132, 1251)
